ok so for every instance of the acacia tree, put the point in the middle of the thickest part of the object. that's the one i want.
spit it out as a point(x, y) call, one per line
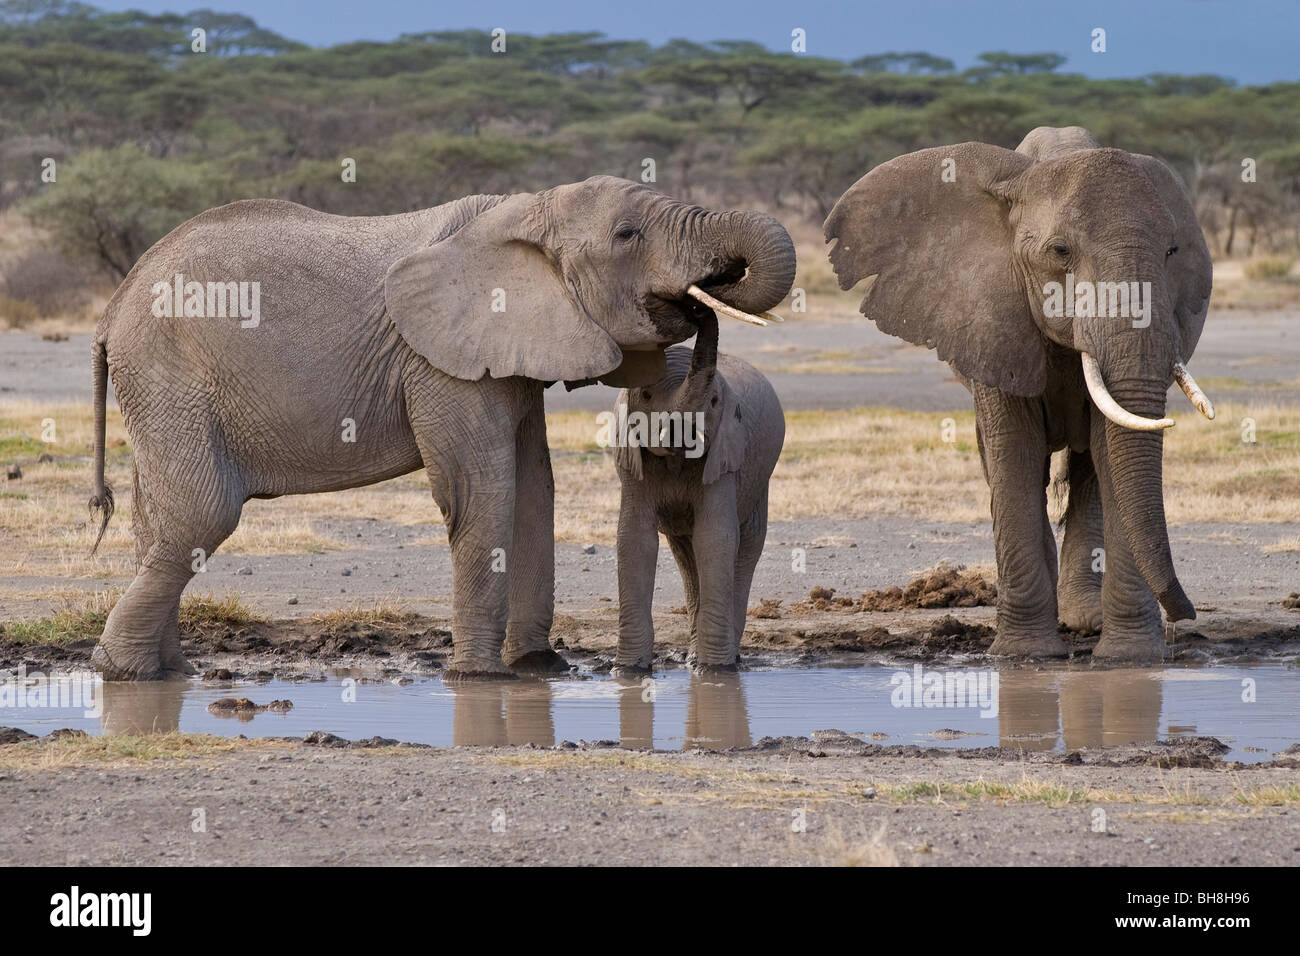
point(111, 205)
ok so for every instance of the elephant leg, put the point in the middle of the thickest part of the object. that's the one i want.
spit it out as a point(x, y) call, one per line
point(141, 639)
point(684, 555)
point(1013, 448)
point(1078, 593)
point(532, 575)
point(753, 533)
point(140, 529)
point(638, 552)
point(716, 543)
point(465, 432)
point(1131, 626)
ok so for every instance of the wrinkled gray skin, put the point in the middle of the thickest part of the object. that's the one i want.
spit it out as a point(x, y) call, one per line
point(960, 267)
point(712, 509)
point(389, 321)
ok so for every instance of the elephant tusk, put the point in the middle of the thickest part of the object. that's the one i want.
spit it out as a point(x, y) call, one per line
point(718, 305)
point(1112, 409)
point(1193, 391)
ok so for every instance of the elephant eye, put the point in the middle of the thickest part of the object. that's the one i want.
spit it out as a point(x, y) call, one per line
point(1060, 248)
point(647, 394)
point(1170, 251)
point(714, 402)
point(627, 233)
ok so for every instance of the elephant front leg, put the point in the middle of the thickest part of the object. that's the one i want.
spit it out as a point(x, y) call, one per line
point(1013, 447)
point(1078, 594)
point(638, 552)
point(716, 541)
point(532, 574)
point(1131, 626)
point(477, 499)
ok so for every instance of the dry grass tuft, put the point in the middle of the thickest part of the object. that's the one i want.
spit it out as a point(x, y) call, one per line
point(84, 620)
point(76, 750)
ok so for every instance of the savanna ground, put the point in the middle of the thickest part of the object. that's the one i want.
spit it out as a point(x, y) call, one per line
point(879, 481)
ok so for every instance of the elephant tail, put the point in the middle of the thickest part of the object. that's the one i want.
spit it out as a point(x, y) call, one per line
point(101, 499)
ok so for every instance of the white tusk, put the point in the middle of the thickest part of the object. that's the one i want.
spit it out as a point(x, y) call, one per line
point(1193, 391)
point(1111, 408)
point(718, 305)
point(771, 317)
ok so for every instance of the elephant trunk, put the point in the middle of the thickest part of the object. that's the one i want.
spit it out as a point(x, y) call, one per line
point(753, 261)
point(1136, 477)
point(693, 393)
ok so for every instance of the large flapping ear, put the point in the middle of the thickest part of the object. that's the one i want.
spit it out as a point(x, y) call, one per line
point(627, 457)
point(933, 230)
point(1190, 266)
point(725, 448)
point(488, 300)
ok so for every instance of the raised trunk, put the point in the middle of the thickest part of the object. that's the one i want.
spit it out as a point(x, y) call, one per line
point(694, 391)
point(753, 260)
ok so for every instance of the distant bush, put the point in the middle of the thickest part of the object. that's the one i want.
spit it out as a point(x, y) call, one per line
point(47, 282)
point(113, 204)
point(17, 313)
point(1268, 267)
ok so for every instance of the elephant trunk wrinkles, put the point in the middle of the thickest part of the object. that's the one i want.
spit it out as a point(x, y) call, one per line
point(761, 244)
point(1136, 460)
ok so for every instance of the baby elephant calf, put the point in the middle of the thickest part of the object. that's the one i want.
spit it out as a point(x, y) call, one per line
point(695, 453)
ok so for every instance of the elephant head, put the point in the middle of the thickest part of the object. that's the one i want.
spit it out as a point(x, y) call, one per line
point(584, 281)
point(967, 247)
point(691, 386)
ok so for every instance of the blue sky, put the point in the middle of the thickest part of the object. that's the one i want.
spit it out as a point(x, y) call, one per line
point(1251, 41)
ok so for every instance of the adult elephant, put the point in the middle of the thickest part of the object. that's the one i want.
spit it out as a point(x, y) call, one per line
point(387, 344)
point(964, 244)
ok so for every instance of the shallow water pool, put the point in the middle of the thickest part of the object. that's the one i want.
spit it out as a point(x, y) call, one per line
point(1252, 709)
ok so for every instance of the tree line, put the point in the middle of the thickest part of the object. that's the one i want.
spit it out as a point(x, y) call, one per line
point(144, 131)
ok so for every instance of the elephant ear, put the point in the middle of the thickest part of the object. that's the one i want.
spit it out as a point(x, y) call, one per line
point(1190, 266)
point(627, 458)
point(489, 300)
point(725, 448)
point(932, 230)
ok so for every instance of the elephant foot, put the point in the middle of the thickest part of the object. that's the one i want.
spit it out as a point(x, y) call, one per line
point(126, 665)
point(1130, 647)
point(632, 671)
point(1081, 615)
point(1037, 645)
point(544, 661)
point(460, 674)
point(706, 669)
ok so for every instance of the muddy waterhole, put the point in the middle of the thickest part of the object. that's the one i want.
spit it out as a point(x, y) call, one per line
point(1253, 710)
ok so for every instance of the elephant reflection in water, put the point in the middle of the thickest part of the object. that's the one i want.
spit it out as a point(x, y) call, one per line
point(1085, 708)
point(716, 715)
point(502, 713)
point(142, 708)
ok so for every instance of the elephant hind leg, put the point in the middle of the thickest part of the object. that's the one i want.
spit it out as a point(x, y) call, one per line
point(1078, 593)
point(684, 554)
point(753, 533)
point(141, 639)
point(140, 529)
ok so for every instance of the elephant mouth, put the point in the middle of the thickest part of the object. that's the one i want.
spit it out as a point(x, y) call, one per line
point(696, 303)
